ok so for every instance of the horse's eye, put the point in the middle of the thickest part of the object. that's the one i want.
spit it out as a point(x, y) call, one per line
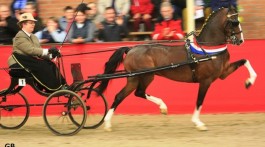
point(235, 23)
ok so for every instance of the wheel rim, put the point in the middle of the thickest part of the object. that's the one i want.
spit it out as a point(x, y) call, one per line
point(96, 105)
point(57, 109)
point(14, 111)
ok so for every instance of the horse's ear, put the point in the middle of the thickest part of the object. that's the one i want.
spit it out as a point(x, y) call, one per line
point(232, 7)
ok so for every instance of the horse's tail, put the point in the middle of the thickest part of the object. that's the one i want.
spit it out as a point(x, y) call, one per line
point(110, 67)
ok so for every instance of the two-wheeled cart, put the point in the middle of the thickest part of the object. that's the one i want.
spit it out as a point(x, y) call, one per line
point(64, 111)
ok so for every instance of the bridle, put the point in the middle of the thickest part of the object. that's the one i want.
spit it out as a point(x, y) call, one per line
point(230, 28)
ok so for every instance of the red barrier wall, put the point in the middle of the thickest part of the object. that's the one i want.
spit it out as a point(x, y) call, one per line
point(224, 96)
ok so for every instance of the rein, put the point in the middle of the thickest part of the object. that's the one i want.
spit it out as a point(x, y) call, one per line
point(110, 49)
point(101, 51)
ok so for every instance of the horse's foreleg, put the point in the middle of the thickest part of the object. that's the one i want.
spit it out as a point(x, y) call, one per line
point(140, 92)
point(129, 88)
point(203, 88)
point(235, 65)
point(251, 80)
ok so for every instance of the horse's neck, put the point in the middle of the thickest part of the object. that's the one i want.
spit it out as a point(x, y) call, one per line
point(212, 33)
point(211, 37)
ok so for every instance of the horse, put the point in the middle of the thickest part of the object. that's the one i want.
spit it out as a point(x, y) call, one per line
point(220, 28)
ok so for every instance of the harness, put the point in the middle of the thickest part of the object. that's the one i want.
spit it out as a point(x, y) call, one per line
point(190, 57)
point(194, 47)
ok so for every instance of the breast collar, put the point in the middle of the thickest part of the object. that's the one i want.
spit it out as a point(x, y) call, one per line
point(202, 49)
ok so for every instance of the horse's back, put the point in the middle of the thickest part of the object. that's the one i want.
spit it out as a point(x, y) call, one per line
point(153, 55)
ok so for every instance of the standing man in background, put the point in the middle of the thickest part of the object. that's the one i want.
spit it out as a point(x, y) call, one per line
point(66, 20)
point(112, 28)
point(121, 8)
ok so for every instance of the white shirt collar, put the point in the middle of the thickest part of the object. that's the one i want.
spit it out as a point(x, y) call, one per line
point(79, 25)
point(26, 32)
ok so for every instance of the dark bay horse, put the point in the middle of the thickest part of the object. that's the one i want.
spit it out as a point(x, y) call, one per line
point(221, 27)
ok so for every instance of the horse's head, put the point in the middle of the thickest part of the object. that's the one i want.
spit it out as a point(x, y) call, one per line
point(233, 30)
point(221, 27)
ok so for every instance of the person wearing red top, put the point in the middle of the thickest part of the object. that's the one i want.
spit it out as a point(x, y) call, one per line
point(169, 28)
point(141, 11)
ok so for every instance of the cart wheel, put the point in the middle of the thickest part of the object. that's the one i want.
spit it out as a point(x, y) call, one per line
point(96, 105)
point(57, 109)
point(14, 110)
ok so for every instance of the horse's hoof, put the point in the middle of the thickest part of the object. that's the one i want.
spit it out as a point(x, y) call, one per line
point(108, 129)
point(247, 84)
point(163, 111)
point(202, 128)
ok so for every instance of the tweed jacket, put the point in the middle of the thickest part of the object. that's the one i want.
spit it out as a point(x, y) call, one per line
point(121, 6)
point(25, 45)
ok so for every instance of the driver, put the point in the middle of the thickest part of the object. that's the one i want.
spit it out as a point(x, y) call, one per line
point(31, 59)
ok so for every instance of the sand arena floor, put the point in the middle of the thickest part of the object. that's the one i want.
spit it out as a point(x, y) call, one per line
point(225, 130)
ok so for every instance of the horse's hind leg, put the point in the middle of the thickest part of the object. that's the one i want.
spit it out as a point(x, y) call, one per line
point(234, 66)
point(131, 85)
point(144, 82)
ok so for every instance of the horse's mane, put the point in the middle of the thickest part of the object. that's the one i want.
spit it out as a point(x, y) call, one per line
point(208, 20)
point(163, 44)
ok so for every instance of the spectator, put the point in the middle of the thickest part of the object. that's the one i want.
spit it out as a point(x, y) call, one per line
point(12, 22)
point(5, 34)
point(82, 30)
point(170, 27)
point(178, 6)
point(141, 11)
point(112, 28)
point(8, 25)
point(66, 20)
point(121, 7)
point(19, 5)
point(31, 7)
point(83, 7)
point(52, 33)
point(93, 14)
